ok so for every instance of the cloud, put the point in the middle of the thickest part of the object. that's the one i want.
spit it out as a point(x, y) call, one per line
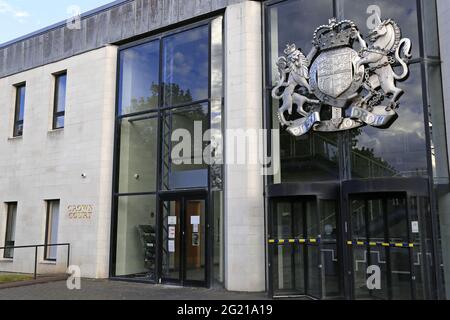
point(16, 13)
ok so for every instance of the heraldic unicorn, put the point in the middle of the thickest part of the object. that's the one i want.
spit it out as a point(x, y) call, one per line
point(359, 88)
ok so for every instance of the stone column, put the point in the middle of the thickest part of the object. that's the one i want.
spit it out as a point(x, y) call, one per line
point(244, 184)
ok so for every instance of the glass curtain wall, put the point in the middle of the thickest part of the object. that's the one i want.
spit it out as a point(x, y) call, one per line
point(400, 151)
point(168, 99)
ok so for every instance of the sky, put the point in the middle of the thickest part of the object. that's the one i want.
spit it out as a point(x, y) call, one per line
point(20, 17)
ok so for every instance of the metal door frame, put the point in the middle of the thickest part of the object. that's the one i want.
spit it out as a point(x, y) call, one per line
point(296, 192)
point(183, 197)
point(382, 189)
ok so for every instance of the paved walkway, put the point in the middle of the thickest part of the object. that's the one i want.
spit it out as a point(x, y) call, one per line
point(116, 290)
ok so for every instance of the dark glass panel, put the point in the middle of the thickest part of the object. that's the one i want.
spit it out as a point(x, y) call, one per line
point(10, 236)
point(375, 216)
point(61, 93)
point(399, 150)
point(139, 78)
point(331, 269)
point(19, 111)
point(59, 122)
point(186, 66)
point(284, 267)
point(312, 157)
point(430, 23)
point(21, 103)
point(359, 230)
point(437, 125)
point(400, 274)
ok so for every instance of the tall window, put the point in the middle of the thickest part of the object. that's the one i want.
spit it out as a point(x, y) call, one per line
point(19, 110)
point(10, 230)
point(51, 234)
point(173, 81)
point(59, 109)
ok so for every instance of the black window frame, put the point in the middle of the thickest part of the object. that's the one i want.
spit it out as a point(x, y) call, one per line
point(18, 102)
point(47, 228)
point(158, 112)
point(58, 114)
point(9, 253)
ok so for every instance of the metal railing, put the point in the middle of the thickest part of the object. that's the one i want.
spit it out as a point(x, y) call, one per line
point(36, 247)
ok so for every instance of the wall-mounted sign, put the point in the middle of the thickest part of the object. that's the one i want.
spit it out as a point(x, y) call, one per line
point(171, 232)
point(80, 212)
point(415, 226)
point(195, 220)
point(196, 240)
point(172, 220)
point(336, 88)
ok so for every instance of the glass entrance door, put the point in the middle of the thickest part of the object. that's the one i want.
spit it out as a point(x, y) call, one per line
point(303, 248)
point(381, 247)
point(184, 235)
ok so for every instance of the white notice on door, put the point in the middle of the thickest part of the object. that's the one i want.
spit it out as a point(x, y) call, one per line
point(195, 220)
point(171, 232)
point(415, 226)
point(173, 220)
point(171, 246)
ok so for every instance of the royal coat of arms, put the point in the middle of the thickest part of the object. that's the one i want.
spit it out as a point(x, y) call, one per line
point(337, 88)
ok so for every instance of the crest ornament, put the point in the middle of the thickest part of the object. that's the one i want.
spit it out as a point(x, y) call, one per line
point(336, 88)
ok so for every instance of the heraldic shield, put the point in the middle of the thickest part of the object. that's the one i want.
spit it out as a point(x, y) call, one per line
point(359, 88)
point(335, 73)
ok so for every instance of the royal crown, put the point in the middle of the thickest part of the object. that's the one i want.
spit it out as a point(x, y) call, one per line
point(335, 34)
point(290, 49)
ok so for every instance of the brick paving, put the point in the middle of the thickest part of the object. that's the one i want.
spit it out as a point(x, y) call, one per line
point(118, 290)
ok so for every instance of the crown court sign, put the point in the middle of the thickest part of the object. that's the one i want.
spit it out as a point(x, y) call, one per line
point(357, 88)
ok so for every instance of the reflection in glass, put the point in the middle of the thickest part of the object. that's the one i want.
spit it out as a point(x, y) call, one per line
point(312, 157)
point(284, 270)
point(400, 274)
point(20, 110)
point(186, 66)
point(138, 154)
point(378, 225)
point(296, 265)
point(295, 22)
point(139, 78)
point(403, 12)
point(136, 237)
point(183, 161)
point(399, 151)
point(330, 258)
